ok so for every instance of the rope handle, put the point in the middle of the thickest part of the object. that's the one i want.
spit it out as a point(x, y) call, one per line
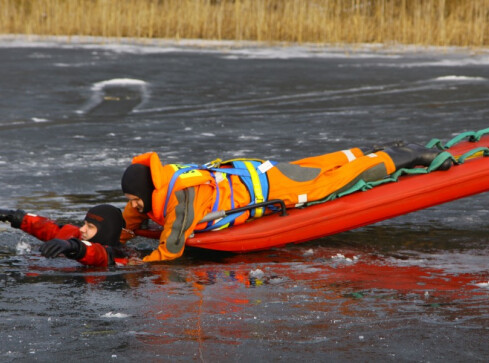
point(471, 136)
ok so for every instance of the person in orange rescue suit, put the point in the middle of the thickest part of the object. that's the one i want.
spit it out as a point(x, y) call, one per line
point(95, 243)
point(178, 196)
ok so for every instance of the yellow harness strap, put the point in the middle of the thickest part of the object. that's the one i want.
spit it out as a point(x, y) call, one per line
point(255, 180)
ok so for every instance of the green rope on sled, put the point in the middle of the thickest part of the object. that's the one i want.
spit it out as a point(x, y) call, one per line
point(471, 136)
point(468, 154)
point(362, 185)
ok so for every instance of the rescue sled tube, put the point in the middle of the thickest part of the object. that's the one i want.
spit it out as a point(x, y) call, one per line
point(410, 193)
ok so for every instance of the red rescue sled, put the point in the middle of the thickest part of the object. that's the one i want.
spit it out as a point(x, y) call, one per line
point(410, 193)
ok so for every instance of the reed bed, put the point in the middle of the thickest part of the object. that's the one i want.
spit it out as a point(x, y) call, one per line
point(424, 22)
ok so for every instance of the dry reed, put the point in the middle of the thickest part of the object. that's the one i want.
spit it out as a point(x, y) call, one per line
point(426, 22)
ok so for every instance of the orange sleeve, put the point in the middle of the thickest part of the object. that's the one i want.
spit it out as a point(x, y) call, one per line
point(185, 209)
point(133, 220)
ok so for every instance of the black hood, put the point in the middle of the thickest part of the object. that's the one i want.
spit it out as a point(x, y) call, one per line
point(109, 222)
point(137, 181)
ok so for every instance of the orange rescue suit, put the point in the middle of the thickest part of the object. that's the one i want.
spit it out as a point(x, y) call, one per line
point(194, 192)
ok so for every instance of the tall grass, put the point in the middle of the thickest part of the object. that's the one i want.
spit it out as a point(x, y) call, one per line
point(427, 22)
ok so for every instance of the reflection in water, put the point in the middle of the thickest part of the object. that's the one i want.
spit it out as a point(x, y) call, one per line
point(315, 300)
point(286, 296)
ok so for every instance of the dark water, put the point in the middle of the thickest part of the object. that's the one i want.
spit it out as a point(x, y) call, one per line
point(414, 288)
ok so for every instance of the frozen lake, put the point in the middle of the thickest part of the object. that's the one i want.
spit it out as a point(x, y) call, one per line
point(414, 288)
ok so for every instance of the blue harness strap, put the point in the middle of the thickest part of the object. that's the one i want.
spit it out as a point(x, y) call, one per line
point(249, 172)
point(256, 182)
point(222, 223)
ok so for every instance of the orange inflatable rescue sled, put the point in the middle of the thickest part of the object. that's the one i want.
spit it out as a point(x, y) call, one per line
point(406, 191)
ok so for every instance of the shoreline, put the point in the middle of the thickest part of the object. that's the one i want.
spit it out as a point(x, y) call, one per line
point(21, 40)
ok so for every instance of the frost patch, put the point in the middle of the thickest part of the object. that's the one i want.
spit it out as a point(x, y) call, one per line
point(483, 284)
point(39, 120)
point(460, 78)
point(341, 257)
point(249, 137)
point(257, 274)
point(23, 248)
point(110, 314)
point(118, 82)
point(309, 252)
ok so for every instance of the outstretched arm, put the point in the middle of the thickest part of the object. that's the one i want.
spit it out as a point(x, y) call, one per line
point(40, 227)
point(60, 239)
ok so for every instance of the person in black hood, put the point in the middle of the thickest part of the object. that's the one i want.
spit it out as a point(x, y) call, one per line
point(108, 223)
point(188, 198)
point(95, 243)
point(137, 181)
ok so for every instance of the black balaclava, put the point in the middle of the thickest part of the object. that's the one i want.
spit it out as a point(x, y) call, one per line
point(109, 222)
point(137, 181)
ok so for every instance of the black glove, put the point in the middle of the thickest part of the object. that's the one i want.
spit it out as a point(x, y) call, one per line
point(6, 215)
point(15, 217)
point(71, 248)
